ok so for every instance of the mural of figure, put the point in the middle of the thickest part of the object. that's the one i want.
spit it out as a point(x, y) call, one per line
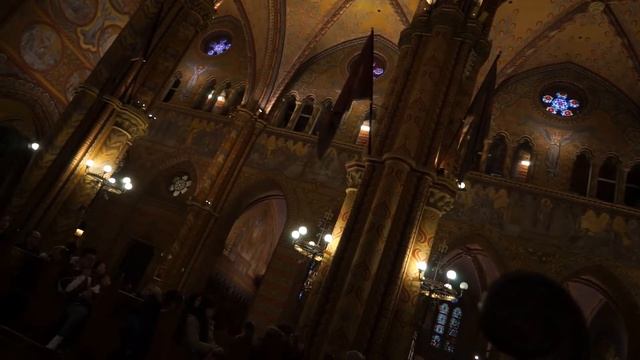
point(556, 140)
point(197, 71)
point(41, 47)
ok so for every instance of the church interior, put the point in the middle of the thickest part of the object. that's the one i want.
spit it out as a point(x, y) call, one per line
point(162, 195)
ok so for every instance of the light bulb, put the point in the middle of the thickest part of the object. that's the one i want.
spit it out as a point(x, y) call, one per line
point(79, 232)
point(464, 286)
point(126, 180)
point(422, 266)
point(107, 168)
point(128, 186)
point(365, 128)
point(211, 94)
point(303, 230)
point(525, 162)
point(89, 163)
point(312, 243)
point(451, 275)
point(221, 98)
point(112, 180)
point(328, 238)
point(295, 234)
point(34, 146)
point(461, 185)
point(448, 286)
point(476, 357)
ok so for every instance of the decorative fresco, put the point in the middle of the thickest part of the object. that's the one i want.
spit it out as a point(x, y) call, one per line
point(298, 160)
point(542, 219)
point(41, 47)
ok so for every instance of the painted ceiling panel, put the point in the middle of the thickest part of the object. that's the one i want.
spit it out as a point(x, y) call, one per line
point(588, 40)
point(358, 20)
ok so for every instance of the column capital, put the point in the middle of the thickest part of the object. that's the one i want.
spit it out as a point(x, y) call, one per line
point(440, 200)
point(355, 173)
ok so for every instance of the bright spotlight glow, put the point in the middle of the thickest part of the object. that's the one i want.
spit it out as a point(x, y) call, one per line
point(295, 234)
point(128, 186)
point(451, 275)
point(312, 243)
point(328, 238)
point(464, 286)
point(221, 98)
point(126, 180)
point(89, 163)
point(303, 230)
point(448, 286)
point(112, 180)
point(107, 168)
point(365, 128)
point(34, 146)
point(476, 357)
point(210, 95)
point(422, 265)
point(79, 232)
point(525, 162)
point(462, 185)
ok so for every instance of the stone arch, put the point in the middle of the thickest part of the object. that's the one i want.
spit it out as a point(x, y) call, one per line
point(616, 300)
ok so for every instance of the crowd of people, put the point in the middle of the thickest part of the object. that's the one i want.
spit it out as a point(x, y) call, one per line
point(83, 278)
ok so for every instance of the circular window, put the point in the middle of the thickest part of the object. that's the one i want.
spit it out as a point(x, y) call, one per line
point(561, 100)
point(217, 44)
point(560, 104)
point(180, 185)
point(379, 66)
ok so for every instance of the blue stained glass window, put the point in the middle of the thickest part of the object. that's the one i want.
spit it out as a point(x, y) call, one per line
point(218, 46)
point(378, 70)
point(561, 104)
point(439, 328)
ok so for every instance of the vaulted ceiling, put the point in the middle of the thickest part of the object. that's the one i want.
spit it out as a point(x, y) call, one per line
point(602, 36)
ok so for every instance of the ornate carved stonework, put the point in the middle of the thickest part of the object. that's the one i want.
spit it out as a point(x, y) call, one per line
point(355, 172)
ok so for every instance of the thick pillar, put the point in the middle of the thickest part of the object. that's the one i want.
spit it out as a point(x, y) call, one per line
point(403, 324)
point(174, 270)
point(364, 300)
point(355, 171)
point(126, 123)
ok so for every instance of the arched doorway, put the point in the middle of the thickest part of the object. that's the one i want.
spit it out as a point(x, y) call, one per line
point(251, 242)
point(608, 334)
point(451, 329)
point(14, 159)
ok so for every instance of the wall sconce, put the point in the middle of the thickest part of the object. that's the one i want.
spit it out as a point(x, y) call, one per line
point(105, 180)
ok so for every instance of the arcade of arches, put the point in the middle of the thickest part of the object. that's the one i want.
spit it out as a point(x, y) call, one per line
point(178, 139)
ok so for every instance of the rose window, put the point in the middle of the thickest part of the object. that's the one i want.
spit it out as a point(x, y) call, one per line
point(180, 185)
point(561, 104)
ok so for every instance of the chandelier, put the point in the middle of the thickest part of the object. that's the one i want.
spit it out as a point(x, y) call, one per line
point(437, 283)
point(105, 180)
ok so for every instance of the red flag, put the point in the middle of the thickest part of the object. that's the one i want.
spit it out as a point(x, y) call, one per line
point(359, 85)
point(477, 122)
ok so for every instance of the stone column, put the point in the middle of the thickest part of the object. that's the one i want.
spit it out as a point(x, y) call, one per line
point(621, 184)
point(409, 306)
point(355, 171)
point(431, 89)
point(295, 115)
point(174, 270)
point(126, 124)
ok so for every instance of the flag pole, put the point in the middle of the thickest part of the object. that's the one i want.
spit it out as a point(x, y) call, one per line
point(369, 142)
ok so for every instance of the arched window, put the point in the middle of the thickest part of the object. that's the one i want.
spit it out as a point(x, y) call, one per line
point(453, 330)
point(581, 174)
point(522, 160)
point(607, 178)
point(365, 128)
point(236, 98)
point(204, 99)
point(287, 108)
point(496, 156)
point(632, 191)
point(305, 116)
point(172, 90)
point(327, 105)
point(438, 337)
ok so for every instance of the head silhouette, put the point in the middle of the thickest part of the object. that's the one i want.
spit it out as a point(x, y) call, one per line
point(529, 316)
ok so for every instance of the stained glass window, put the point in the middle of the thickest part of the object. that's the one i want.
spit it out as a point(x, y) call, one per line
point(218, 46)
point(561, 104)
point(378, 69)
point(454, 329)
point(440, 324)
